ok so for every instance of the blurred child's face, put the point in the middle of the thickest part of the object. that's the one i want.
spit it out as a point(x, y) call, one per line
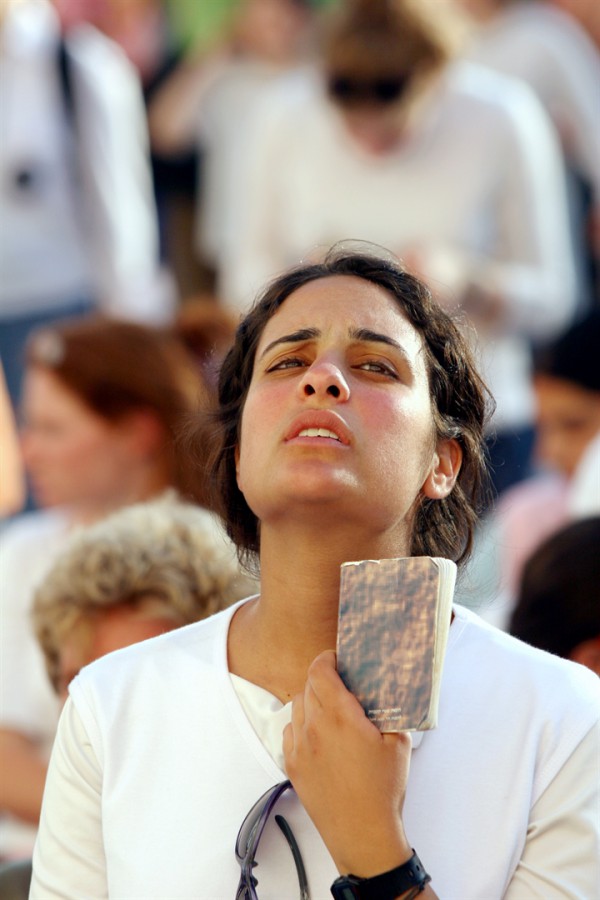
point(568, 418)
point(272, 29)
point(108, 630)
point(74, 12)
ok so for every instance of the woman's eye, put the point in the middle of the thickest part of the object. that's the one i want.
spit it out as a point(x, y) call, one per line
point(379, 368)
point(289, 362)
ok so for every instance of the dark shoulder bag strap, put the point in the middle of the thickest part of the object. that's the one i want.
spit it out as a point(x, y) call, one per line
point(65, 72)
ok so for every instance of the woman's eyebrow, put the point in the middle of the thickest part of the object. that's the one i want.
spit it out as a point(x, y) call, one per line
point(356, 334)
point(365, 334)
point(303, 334)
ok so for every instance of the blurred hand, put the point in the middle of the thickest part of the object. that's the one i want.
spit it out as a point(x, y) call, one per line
point(442, 270)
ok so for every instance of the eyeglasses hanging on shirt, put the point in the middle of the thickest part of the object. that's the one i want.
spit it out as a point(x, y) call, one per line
point(248, 839)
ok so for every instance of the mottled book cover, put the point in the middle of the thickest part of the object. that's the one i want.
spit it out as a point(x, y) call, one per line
point(394, 619)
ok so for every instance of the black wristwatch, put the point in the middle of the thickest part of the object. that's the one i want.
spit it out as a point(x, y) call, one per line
point(386, 886)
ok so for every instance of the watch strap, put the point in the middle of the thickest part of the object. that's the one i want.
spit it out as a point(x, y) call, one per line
point(410, 876)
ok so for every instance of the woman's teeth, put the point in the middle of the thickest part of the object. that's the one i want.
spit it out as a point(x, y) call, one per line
point(318, 432)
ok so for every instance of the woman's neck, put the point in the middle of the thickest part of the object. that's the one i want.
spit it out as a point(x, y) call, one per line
point(274, 639)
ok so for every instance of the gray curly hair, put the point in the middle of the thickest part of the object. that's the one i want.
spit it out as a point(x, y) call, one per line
point(170, 556)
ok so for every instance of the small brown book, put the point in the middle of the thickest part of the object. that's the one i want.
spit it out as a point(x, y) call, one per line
point(394, 618)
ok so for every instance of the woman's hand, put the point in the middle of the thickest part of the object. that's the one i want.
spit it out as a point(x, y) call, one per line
point(350, 778)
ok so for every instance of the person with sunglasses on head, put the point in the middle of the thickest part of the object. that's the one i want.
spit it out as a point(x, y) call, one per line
point(392, 137)
point(227, 759)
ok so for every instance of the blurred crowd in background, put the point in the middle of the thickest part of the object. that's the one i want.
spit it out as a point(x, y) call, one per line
point(161, 160)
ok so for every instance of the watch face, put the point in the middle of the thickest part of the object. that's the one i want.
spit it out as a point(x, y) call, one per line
point(344, 889)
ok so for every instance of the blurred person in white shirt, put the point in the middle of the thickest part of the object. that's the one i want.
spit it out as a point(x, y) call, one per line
point(78, 225)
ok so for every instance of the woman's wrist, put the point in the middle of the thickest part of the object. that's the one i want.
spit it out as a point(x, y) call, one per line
point(404, 881)
point(380, 856)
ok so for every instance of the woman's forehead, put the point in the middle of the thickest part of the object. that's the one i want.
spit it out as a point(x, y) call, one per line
point(342, 304)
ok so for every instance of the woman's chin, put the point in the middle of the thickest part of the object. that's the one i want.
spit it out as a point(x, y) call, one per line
point(326, 491)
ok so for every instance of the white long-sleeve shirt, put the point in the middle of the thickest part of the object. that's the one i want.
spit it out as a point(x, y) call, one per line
point(83, 222)
point(157, 762)
point(477, 181)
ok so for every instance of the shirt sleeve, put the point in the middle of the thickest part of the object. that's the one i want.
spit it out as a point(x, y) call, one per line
point(561, 859)
point(69, 859)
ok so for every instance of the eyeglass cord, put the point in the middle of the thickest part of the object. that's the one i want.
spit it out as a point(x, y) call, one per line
point(289, 836)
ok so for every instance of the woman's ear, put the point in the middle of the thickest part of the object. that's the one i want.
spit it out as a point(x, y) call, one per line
point(444, 470)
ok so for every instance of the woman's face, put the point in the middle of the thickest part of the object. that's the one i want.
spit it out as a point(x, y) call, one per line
point(375, 129)
point(338, 417)
point(73, 456)
point(568, 418)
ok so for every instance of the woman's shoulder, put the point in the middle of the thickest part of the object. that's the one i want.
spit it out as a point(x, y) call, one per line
point(102, 73)
point(484, 92)
point(499, 691)
point(520, 672)
point(93, 50)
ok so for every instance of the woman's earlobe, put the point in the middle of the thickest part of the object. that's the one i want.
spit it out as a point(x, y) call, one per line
point(444, 471)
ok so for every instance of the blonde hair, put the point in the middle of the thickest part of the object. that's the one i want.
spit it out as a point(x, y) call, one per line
point(387, 38)
point(167, 554)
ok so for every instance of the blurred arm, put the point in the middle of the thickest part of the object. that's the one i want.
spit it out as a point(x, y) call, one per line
point(22, 776)
point(12, 482)
point(175, 113)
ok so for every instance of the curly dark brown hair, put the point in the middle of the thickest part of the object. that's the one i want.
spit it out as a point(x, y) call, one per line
point(460, 400)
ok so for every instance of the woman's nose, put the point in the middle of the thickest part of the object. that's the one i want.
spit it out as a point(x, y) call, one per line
point(325, 380)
